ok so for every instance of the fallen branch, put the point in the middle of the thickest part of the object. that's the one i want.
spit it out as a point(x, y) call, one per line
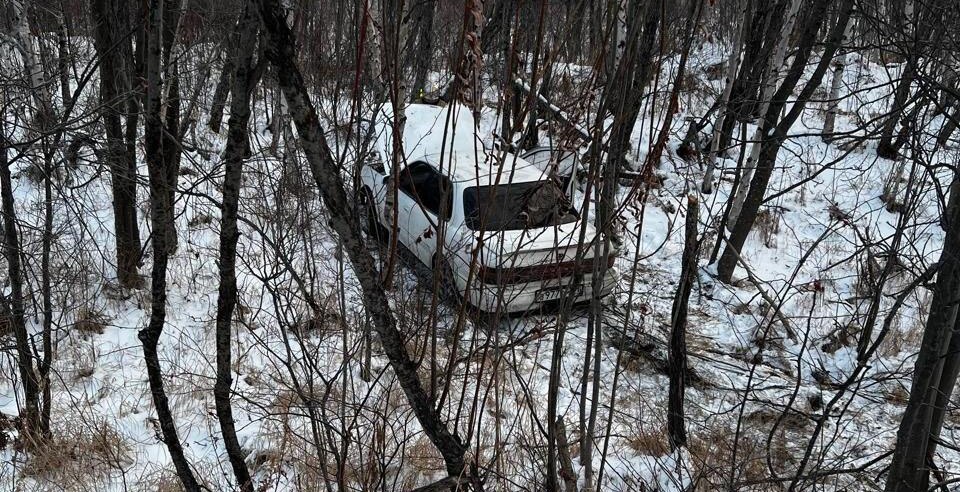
point(545, 105)
point(791, 333)
point(651, 348)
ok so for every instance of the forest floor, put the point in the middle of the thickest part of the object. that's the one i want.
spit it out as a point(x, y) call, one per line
point(806, 256)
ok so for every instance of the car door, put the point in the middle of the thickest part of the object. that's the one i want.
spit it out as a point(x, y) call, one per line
point(437, 204)
point(423, 201)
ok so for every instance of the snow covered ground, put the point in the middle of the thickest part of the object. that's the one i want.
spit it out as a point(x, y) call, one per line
point(309, 409)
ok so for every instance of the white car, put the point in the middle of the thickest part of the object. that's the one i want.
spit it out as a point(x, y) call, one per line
point(504, 236)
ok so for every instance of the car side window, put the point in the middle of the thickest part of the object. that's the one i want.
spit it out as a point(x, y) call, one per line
point(414, 180)
point(423, 183)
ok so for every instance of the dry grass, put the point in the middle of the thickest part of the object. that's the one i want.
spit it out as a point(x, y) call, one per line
point(325, 321)
point(90, 321)
point(712, 449)
point(423, 457)
point(842, 336)
point(80, 455)
point(768, 224)
point(906, 333)
point(650, 442)
point(898, 395)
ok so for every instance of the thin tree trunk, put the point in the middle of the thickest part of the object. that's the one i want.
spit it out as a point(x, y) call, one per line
point(39, 90)
point(921, 421)
point(108, 42)
point(833, 100)
point(678, 327)
point(243, 82)
point(619, 38)
point(950, 125)
point(280, 52)
point(733, 63)
point(170, 112)
point(596, 28)
point(424, 48)
point(160, 205)
point(567, 472)
point(764, 22)
point(531, 134)
point(466, 85)
point(63, 59)
point(885, 147)
point(509, 97)
point(220, 93)
point(134, 87)
point(170, 146)
point(11, 251)
point(621, 101)
point(33, 429)
point(927, 32)
point(948, 383)
point(46, 294)
point(693, 19)
point(375, 59)
point(224, 83)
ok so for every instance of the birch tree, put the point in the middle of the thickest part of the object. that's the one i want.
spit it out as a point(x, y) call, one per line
point(774, 131)
point(33, 370)
point(770, 83)
point(833, 100)
point(733, 63)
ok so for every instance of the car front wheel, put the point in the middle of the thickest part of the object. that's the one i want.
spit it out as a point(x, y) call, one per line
point(443, 277)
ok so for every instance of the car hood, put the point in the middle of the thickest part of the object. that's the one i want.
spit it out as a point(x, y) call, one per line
point(539, 246)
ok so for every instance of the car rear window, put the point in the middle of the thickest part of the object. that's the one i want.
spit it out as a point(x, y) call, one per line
point(515, 206)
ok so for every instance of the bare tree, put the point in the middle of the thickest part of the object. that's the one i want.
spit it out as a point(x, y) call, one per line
point(280, 50)
point(244, 79)
point(833, 100)
point(423, 54)
point(112, 41)
point(935, 371)
point(774, 129)
point(733, 63)
point(771, 81)
point(11, 251)
point(161, 203)
point(676, 427)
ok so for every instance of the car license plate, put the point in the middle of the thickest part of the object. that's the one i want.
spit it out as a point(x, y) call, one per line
point(555, 293)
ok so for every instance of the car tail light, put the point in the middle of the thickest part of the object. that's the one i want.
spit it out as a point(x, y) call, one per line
point(533, 273)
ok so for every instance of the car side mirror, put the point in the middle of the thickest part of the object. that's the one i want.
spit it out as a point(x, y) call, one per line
point(386, 179)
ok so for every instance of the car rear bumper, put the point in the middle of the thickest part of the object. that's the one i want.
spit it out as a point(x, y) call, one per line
point(517, 298)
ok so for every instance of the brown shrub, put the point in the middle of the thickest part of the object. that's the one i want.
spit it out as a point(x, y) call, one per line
point(90, 322)
point(79, 455)
point(650, 442)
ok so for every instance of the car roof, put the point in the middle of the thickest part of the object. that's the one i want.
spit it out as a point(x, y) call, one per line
point(446, 138)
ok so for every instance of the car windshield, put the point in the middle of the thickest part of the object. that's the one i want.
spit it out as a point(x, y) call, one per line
point(514, 206)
